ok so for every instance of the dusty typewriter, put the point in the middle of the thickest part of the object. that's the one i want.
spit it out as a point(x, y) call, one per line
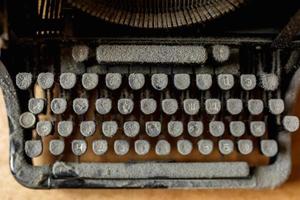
point(150, 93)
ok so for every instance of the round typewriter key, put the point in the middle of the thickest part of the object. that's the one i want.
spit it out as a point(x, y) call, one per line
point(79, 147)
point(213, 106)
point(109, 128)
point(269, 148)
point(27, 120)
point(221, 53)
point(195, 128)
point(205, 147)
point(175, 128)
point(159, 81)
point(276, 106)
point(257, 128)
point(121, 147)
point(58, 105)
point(90, 81)
point(184, 147)
point(36, 105)
point(248, 81)
point(226, 147)
point(182, 81)
point(67, 80)
point(153, 128)
point(255, 106)
point(169, 106)
point(291, 123)
point(125, 106)
point(56, 147)
point(87, 128)
point(33, 148)
point(100, 147)
point(103, 106)
point(216, 128)
point(141, 147)
point(162, 148)
point(237, 128)
point(234, 106)
point(191, 106)
point(113, 80)
point(65, 128)
point(80, 53)
point(45, 80)
point(136, 81)
point(225, 81)
point(204, 81)
point(43, 128)
point(23, 80)
point(245, 147)
point(269, 82)
point(132, 128)
point(80, 106)
point(148, 106)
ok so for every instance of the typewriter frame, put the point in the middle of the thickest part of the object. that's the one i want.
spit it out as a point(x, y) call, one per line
point(42, 177)
point(68, 177)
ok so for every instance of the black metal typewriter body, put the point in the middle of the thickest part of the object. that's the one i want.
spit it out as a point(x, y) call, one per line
point(150, 93)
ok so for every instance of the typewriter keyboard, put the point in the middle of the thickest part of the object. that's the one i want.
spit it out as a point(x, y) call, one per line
point(218, 110)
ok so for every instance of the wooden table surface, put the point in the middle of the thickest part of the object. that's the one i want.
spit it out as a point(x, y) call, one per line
point(10, 189)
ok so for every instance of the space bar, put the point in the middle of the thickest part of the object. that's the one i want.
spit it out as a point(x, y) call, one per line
point(156, 170)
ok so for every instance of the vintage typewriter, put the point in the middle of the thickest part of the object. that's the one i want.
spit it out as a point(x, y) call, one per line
point(150, 93)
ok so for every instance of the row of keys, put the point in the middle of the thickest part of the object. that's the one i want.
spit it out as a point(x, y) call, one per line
point(159, 82)
point(154, 128)
point(269, 148)
point(149, 106)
